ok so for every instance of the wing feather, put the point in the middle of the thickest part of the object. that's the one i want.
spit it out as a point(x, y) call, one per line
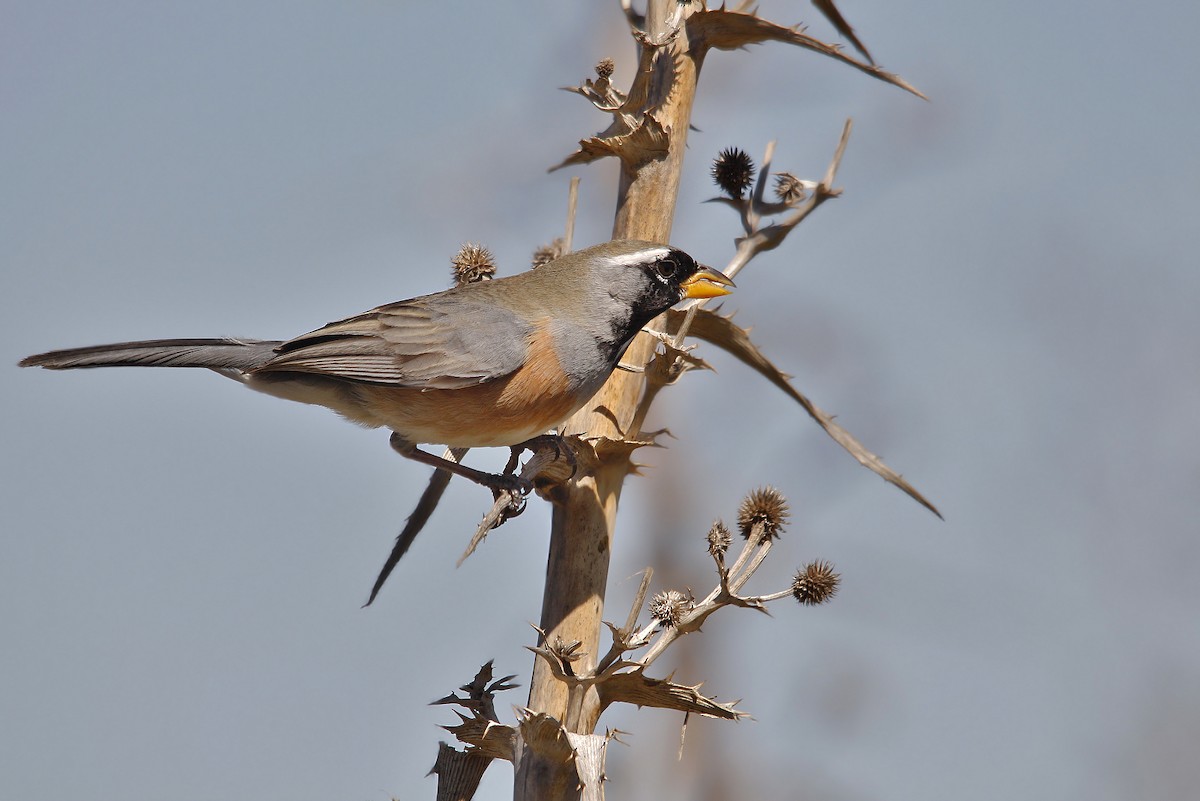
point(432, 342)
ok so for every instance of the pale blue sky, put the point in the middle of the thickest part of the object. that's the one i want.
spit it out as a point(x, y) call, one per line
point(1003, 304)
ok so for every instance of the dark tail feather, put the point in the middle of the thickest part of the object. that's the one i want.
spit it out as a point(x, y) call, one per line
point(217, 354)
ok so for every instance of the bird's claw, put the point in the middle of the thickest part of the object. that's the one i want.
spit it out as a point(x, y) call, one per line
point(556, 442)
point(517, 489)
point(515, 485)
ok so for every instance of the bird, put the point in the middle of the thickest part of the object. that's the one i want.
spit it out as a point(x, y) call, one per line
point(485, 364)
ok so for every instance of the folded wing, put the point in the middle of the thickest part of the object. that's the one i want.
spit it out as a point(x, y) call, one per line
point(413, 344)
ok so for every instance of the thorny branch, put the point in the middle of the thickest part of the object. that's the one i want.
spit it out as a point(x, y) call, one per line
point(647, 134)
point(635, 136)
point(620, 678)
point(797, 200)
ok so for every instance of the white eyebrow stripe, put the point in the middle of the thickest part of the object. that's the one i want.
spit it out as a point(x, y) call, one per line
point(640, 256)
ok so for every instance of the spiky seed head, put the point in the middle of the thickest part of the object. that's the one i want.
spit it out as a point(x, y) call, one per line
point(733, 171)
point(718, 539)
point(605, 67)
point(815, 583)
point(669, 607)
point(472, 263)
point(765, 507)
point(548, 253)
point(788, 188)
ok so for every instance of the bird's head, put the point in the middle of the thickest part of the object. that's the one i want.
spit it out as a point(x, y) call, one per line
point(650, 278)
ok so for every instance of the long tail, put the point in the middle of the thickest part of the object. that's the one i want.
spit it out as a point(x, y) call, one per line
point(216, 354)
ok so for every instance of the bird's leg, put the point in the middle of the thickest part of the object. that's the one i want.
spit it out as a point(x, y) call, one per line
point(507, 483)
point(514, 455)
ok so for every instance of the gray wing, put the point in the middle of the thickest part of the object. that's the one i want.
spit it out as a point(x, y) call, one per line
point(432, 342)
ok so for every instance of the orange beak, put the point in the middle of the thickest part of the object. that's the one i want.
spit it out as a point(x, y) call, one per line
point(706, 283)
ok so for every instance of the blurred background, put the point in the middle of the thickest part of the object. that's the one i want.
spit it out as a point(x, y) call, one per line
point(1002, 305)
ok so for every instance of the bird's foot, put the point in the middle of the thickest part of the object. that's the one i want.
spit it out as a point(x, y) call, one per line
point(555, 442)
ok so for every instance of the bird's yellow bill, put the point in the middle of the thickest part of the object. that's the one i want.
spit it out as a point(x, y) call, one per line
point(706, 283)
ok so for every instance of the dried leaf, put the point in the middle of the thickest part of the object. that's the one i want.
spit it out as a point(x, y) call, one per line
point(612, 451)
point(638, 600)
point(670, 363)
point(477, 686)
point(508, 503)
point(730, 30)
point(832, 14)
point(602, 94)
point(645, 143)
point(721, 331)
point(486, 738)
point(635, 687)
point(634, 135)
point(458, 772)
point(544, 735)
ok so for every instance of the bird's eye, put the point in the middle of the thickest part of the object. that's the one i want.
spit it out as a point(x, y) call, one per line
point(666, 268)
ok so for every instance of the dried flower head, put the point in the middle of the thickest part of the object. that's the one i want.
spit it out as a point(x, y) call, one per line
point(669, 607)
point(718, 540)
point(567, 652)
point(605, 68)
point(548, 253)
point(789, 188)
point(733, 170)
point(815, 583)
point(472, 263)
point(765, 507)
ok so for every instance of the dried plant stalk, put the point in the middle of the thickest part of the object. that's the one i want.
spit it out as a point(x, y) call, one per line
point(583, 522)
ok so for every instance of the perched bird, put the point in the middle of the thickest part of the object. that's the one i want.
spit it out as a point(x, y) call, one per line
point(483, 364)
